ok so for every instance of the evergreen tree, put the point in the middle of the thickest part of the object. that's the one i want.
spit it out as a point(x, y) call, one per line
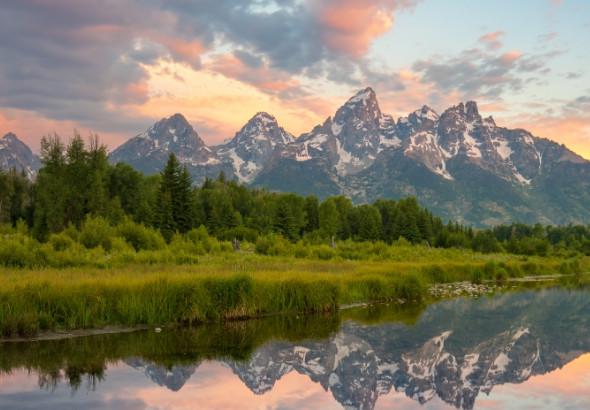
point(165, 215)
point(97, 195)
point(367, 225)
point(289, 215)
point(312, 215)
point(50, 189)
point(183, 205)
point(174, 204)
point(77, 181)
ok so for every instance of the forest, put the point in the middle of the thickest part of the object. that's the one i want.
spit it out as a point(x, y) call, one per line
point(77, 187)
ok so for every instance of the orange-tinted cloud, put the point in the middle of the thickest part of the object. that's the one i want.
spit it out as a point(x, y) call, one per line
point(30, 127)
point(219, 105)
point(510, 56)
point(350, 26)
point(492, 40)
point(262, 77)
point(182, 50)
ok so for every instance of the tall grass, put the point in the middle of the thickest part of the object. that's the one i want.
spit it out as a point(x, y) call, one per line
point(128, 275)
point(163, 299)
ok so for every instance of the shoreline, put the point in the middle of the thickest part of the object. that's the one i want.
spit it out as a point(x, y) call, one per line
point(437, 292)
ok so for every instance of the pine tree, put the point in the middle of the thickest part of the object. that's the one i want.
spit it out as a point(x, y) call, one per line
point(167, 200)
point(183, 203)
point(97, 196)
point(369, 223)
point(77, 181)
point(50, 189)
point(164, 215)
point(312, 216)
point(289, 215)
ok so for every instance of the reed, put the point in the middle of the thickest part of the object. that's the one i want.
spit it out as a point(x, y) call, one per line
point(231, 286)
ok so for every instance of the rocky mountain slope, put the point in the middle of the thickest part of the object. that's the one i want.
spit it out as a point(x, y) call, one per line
point(458, 164)
point(16, 154)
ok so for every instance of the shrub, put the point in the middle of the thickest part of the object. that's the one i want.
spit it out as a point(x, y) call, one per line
point(272, 245)
point(477, 275)
point(241, 233)
point(324, 252)
point(140, 236)
point(21, 251)
point(436, 274)
point(411, 287)
point(301, 250)
point(95, 232)
point(60, 241)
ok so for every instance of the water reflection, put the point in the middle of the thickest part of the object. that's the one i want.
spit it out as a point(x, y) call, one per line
point(445, 356)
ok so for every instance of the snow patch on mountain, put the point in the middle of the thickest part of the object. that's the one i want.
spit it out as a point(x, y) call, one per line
point(502, 148)
point(471, 144)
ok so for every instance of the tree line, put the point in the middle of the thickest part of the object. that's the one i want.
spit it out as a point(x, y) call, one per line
point(76, 181)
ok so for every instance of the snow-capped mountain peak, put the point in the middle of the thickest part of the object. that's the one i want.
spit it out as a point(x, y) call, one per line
point(254, 145)
point(351, 140)
point(363, 153)
point(426, 113)
point(362, 106)
point(260, 127)
point(149, 150)
point(16, 154)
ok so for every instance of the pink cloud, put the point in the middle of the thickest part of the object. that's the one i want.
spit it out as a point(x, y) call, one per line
point(510, 56)
point(492, 40)
point(264, 78)
point(349, 26)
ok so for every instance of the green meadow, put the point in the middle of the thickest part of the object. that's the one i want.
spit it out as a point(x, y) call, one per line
point(199, 279)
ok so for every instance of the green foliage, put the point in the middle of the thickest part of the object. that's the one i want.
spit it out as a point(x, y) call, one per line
point(329, 220)
point(272, 245)
point(76, 181)
point(140, 236)
point(96, 231)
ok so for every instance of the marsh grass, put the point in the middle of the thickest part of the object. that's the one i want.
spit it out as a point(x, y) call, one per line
point(128, 275)
point(234, 285)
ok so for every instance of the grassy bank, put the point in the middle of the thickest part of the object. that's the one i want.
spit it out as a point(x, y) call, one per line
point(235, 285)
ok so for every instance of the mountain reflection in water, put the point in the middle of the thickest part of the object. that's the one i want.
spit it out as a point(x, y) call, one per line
point(506, 347)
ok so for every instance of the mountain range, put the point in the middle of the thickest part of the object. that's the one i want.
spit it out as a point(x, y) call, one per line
point(460, 165)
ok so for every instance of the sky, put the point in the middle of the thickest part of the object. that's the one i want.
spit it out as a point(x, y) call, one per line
point(113, 67)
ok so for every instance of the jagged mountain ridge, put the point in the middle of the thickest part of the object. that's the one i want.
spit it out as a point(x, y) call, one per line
point(457, 350)
point(15, 154)
point(460, 165)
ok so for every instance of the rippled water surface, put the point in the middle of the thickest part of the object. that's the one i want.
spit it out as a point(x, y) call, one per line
point(516, 350)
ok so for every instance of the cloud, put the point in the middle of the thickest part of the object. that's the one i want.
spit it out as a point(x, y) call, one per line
point(69, 61)
point(297, 36)
point(349, 26)
point(482, 73)
point(568, 124)
point(548, 37)
point(87, 62)
point(253, 70)
point(492, 40)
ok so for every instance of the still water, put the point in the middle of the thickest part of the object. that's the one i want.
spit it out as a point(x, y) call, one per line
point(526, 350)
